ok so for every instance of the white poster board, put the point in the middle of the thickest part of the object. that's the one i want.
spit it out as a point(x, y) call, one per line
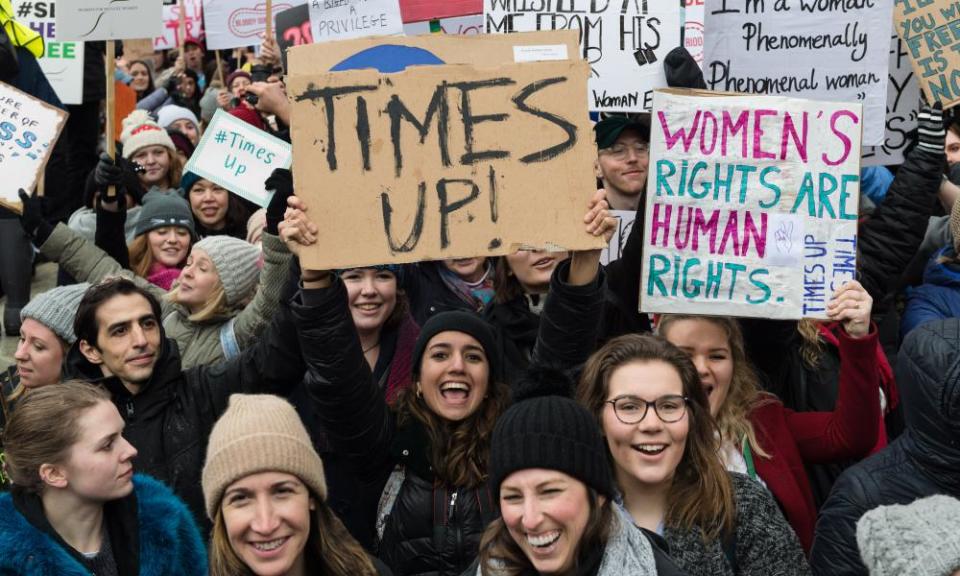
point(461, 25)
point(239, 23)
point(625, 43)
point(751, 204)
point(344, 19)
point(62, 62)
point(193, 22)
point(109, 19)
point(799, 48)
point(239, 157)
point(903, 95)
point(625, 220)
point(693, 29)
point(28, 130)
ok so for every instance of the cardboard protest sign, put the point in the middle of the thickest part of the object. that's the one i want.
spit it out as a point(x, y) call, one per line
point(931, 31)
point(28, 130)
point(461, 25)
point(751, 204)
point(238, 157)
point(109, 19)
point(821, 49)
point(424, 10)
point(239, 23)
point(428, 163)
point(693, 29)
point(625, 220)
point(345, 19)
point(903, 93)
point(625, 42)
point(62, 62)
point(193, 22)
point(292, 28)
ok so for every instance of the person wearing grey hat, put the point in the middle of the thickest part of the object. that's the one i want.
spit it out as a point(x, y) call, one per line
point(920, 539)
point(162, 238)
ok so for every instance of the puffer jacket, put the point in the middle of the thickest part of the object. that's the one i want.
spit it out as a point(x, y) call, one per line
point(199, 343)
point(923, 461)
point(939, 295)
point(432, 528)
point(150, 531)
point(169, 420)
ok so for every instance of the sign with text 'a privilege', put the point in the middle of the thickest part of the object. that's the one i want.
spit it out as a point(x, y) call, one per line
point(85, 20)
point(345, 19)
point(931, 31)
point(427, 163)
point(625, 42)
point(62, 62)
point(28, 130)
point(751, 204)
point(238, 157)
point(821, 49)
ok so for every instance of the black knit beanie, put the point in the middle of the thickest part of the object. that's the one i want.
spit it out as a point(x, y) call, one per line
point(458, 321)
point(551, 432)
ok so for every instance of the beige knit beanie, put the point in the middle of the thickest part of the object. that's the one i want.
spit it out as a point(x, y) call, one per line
point(258, 433)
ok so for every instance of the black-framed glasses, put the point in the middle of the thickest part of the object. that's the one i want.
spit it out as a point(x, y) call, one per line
point(631, 410)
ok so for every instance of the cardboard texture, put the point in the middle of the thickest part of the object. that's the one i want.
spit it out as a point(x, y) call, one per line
point(751, 204)
point(932, 35)
point(28, 130)
point(85, 20)
point(443, 161)
point(62, 62)
point(423, 10)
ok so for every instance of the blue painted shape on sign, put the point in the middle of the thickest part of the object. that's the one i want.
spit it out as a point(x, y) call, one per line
point(388, 58)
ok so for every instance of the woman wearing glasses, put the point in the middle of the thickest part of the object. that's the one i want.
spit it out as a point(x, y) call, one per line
point(664, 448)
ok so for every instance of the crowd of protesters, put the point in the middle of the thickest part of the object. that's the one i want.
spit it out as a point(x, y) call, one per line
point(191, 400)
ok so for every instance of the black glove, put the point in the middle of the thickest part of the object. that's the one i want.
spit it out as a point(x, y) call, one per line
point(682, 71)
point(108, 173)
point(172, 84)
point(931, 135)
point(281, 182)
point(31, 219)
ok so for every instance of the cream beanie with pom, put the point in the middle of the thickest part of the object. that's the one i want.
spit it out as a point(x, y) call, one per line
point(139, 131)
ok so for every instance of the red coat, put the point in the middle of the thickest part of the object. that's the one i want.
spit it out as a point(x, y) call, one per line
point(795, 439)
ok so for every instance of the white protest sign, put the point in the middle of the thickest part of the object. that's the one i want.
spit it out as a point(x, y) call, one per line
point(625, 220)
point(109, 19)
point(625, 42)
point(903, 94)
point(238, 157)
point(751, 204)
point(462, 25)
point(192, 19)
point(343, 19)
point(62, 62)
point(28, 130)
point(693, 29)
point(820, 49)
point(239, 23)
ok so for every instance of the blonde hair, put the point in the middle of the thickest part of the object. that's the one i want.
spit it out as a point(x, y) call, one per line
point(215, 307)
point(141, 258)
point(811, 345)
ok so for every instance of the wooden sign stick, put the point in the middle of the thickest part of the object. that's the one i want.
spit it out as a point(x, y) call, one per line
point(269, 31)
point(111, 64)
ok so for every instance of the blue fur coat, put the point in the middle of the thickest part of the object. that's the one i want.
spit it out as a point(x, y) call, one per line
point(169, 541)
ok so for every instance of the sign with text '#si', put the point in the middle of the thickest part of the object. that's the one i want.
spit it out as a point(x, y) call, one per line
point(625, 42)
point(238, 157)
point(751, 204)
point(931, 31)
point(832, 50)
point(28, 130)
point(429, 163)
point(109, 19)
point(62, 62)
point(345, 19)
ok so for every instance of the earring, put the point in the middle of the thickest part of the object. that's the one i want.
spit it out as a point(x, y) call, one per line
point(419, 391)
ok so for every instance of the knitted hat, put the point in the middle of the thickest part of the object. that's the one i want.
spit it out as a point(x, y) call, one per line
point(56, 308)
point(139, 131)
point(181, 142)
point(458, 321)
point(955, 226)
point(233, 76)
point(255, 225)
point(920, 539)
point(248, 115)
point(236, 262)
point(187, 181)
point(208, 105)
point(551, 432)
point(164, 208)
point(258, 433)
point(171, 113)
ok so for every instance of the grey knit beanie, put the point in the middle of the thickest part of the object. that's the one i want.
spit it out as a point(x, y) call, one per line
point(920, 539)
point(161, 208)
point(258, 433)
point(56, 308)
point(237, 264)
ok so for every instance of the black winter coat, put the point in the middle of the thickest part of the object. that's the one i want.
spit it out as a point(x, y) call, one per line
point(170, 419)
point(428, 293)
point(432, 529)
point(923, 461)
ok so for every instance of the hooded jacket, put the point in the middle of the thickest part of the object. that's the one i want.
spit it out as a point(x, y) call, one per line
point(923, 461)
point(150, 531)
point(938, 297)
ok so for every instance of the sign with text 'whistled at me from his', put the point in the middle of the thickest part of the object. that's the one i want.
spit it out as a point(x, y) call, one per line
point(751, 204)
point(443, 161)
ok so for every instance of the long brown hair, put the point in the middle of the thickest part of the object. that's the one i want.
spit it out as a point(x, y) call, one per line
point(141, 257)
point(744, 394)
point(701, 494)
point(330, 549)
point(498, 548)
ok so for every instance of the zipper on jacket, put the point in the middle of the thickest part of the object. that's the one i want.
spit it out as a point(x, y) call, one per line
point(128, 408)
point(458, 529)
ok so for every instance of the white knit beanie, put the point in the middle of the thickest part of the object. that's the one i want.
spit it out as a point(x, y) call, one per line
point(139, 131)
point(919, 539)
point(237, 263)
point(171, 113)
point(56, 309)
point(258, 433)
